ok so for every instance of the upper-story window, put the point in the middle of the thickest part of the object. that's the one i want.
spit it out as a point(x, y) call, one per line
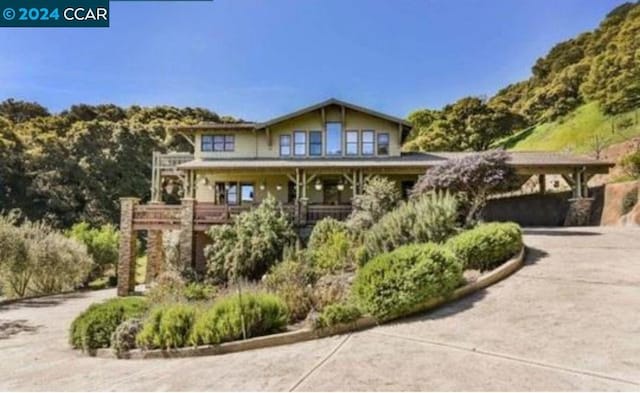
point(315, 143)
point(299, 143)
point(352, 142)
point(218, 143)
point(383, 144)
point(285, 145)
point(334, 139)
point(368, 142)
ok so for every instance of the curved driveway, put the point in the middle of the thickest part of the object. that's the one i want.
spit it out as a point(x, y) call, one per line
point(568, 320)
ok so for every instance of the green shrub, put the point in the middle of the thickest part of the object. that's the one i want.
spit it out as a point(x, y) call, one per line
point(263, 314)
point(392, 284)
point(169, 287)
point(631, 164)
point(101, 243)
point(167, 326)
point(334, 255)
point(196, 291)
point(629, 200)
point(290, 280)
point(430, 218)
point(323, 230)
point(251, 245)
point(487, 245)
point(123, 338)
point(379, 196)
point(94, 327)
point(338, 313)
point(36, 259)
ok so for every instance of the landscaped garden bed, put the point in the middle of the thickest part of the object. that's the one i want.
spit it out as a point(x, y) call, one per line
point(390, 259)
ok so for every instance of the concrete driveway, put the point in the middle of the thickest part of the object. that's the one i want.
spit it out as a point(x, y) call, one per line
point(568, 320)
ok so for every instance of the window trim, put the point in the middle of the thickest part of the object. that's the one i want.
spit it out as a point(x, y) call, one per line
point(288, 136)
point(347, 143)
point(388, 143)
point(315, 144)
point(372, 143)
point(210, 141)
point(304, 143)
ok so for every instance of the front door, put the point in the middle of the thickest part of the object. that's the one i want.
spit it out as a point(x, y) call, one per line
point(331, 194)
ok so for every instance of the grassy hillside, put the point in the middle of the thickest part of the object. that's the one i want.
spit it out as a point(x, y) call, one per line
point(581, 131)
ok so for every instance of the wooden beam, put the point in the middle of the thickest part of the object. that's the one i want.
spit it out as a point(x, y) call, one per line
point(191, 141)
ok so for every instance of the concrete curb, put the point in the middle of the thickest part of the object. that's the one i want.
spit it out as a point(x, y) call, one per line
point(306, 334)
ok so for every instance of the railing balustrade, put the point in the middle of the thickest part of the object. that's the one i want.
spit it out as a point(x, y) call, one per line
point(205, 214)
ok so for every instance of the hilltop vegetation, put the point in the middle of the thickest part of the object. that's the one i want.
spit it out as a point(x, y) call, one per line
point(74, 166)
point(586, 130)
point(596, 74)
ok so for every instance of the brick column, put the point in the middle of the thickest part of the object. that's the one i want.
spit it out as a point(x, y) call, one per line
point(186, 232)
point(127, 254)
point(155, 255)
point(579, 213)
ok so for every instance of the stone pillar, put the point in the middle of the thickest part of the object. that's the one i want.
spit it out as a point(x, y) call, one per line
point(155, 255)
point(127, 254)
point(579, 213)
point(186, 232)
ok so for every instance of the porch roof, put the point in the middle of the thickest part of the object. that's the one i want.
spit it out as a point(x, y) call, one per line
point(406, 160)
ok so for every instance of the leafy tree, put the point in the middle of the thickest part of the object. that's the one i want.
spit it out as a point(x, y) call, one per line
point(474, 177)
point(468, 124)
point(101, 243)
point(20, 111)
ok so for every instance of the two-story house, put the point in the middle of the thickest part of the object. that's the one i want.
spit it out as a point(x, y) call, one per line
point(314, 161)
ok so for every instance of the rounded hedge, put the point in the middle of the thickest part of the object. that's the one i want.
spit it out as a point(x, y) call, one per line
point(168, 326)
point(263, 313)
point(394, 283)
point(487, 245)
point(337, 313)
point(93, 328)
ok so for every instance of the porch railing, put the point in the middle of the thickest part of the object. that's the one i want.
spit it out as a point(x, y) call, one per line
point(318, 212)
point(205, 214)
point(157, 217)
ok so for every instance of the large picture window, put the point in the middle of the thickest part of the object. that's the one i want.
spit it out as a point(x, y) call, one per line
point(285, 145)
point(315, 143)
point(217, 143)
point(383, 144)
point(334, 139)
point(352, 142)
point(368, 142)
point(299, 143)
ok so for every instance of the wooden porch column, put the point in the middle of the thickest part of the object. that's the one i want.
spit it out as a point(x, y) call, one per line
point(186, 232)
point(577, 175)
point(127, 252)
point(542, 183)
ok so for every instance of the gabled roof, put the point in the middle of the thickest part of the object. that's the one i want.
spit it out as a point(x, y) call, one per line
point(329, 102)
point(406, 126)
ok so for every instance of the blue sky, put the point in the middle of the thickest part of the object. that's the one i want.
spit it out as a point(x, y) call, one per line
point(260, 58)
